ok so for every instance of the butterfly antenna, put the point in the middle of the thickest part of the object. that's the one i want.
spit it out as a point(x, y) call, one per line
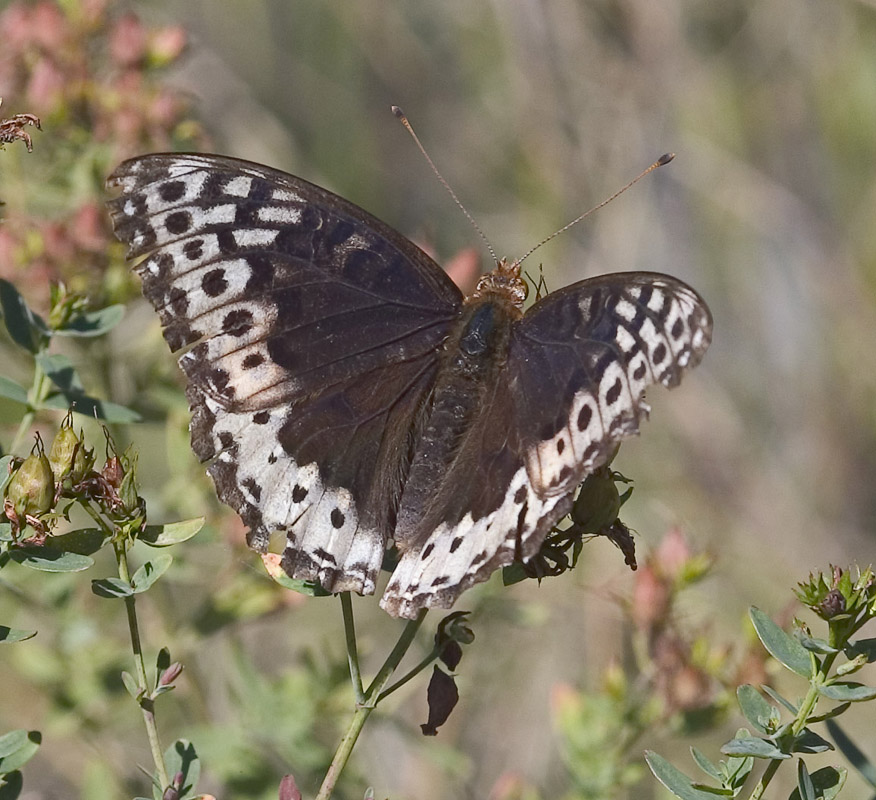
point(662, 161)
point(404, 121)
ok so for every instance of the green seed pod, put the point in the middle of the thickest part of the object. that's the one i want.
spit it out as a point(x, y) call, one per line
point(68, 455)
point(32, 488)
point(597, 504)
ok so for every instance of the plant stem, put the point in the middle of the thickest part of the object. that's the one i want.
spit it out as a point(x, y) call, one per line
point(147, 704)
point(352, 650)
point(370, 698)
point(35, 397)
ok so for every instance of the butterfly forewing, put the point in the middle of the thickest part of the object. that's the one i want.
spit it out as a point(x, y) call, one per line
point(313, 332)
point(344, 393)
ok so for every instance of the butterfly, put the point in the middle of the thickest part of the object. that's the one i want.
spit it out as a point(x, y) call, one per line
point(346, 394)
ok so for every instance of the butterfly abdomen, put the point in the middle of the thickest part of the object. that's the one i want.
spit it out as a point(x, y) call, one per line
point(473, 358)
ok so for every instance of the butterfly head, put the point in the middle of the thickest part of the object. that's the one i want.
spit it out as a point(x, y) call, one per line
point(504, 282)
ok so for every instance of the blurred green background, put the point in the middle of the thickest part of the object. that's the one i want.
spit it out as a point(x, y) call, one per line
point(534, 111)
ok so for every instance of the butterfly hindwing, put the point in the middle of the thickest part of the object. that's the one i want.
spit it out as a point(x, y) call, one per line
point(312, 332)
point(599, 344)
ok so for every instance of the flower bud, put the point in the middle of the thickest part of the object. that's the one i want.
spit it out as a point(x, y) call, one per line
point(31, 490)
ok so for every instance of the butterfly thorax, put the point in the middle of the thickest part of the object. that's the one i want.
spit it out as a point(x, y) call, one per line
point(472, 361)
point(503, 284)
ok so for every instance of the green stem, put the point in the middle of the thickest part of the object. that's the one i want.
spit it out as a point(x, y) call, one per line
point(806, 710)
point(35, 398)
point(436, 652)
point(371, 697)
point(352, 649)
point(147, 704)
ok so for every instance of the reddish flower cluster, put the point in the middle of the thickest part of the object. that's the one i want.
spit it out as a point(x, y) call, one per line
point(93, 78)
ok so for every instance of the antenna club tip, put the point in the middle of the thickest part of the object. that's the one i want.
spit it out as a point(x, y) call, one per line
point(665, 159)
point(398, 112)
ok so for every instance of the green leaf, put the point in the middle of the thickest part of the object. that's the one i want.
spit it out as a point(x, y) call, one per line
point(862, 647)
point(853, 753)
point(848, 691)
point(514, 573)
point(756, 710)
point(91, 407)
point(785, 649)
point(5, 461)
point(150, 572)
point(60, 371)
point(805, 787)
point(131, 685)
point(834, 712)
point(48, 559)
point(12, 391)
point(15, 635)
point(12, 741)
point(22, 754)
point(111, 587)
point(162, 662)
point(705, 765)
point(826, 783)
point(26, 327)
point(12, 786)
point(93, 323)
point(171, 533)
point(808, 741)
point(5, 536)
point(754, 747)
point(674, 779)
point(779, 699)
point(815, 645)
point(85, 541)
point(181, 757)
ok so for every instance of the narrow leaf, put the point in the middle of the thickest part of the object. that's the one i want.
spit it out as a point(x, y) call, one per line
point(15, 635)
point(705, 765)
point(5, 461)
point(756, 748)
point(862, 646)
point(848, 691)
point(85, 541)
point(826, 783)
point(26, 328)
point(779, 699)
point(93, 323)
point(48, 559)
point(815, 645)
point(805, 787)
point(131, 685)
point(150, 572)
point(111, 587)
point(60, 370)
point(171, 533)
point(674, 779)
point(810, 742)
point(853, 753)
point(785, 649)
point(273, 568)
point(756, 710)
point(12, 391)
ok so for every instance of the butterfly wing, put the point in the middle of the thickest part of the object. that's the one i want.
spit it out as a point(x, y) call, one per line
point(312, 331)
point(581, 359)
point(578, 364)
